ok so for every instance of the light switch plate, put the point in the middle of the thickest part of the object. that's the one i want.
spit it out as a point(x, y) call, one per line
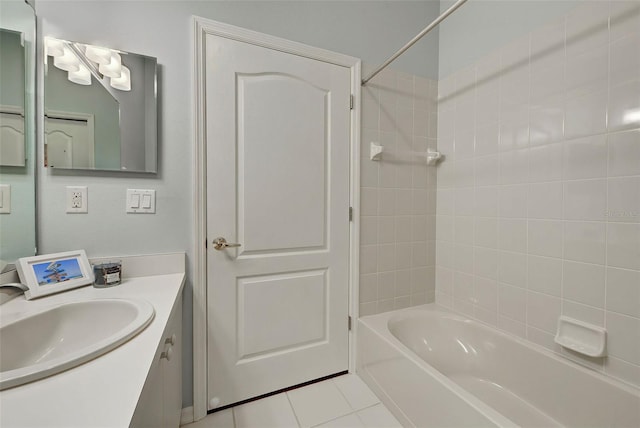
point(5, 199)
point(141, 201)
point(77, 201)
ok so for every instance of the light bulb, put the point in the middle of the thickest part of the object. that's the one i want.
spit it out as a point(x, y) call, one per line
point(123, 82)
point(54, 47)
point(81, 77)
point(68, 61)
point(98, 54)
point(114, 68)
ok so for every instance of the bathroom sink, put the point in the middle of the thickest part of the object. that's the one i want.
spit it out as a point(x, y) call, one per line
point(57, 338)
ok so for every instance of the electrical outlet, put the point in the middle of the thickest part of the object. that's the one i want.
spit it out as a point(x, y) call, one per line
point(77, 199)
point(5, 199)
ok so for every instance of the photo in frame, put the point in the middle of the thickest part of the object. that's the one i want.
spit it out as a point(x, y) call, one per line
point(52, 273)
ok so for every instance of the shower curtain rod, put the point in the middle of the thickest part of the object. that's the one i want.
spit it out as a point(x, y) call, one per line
point(413, 41)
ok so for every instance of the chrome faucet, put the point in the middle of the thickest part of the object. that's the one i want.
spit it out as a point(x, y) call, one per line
point(6, 295)
point(14, 285)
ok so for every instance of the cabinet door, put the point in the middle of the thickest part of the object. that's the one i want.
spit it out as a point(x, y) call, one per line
point(172, 369)
point(149, 412)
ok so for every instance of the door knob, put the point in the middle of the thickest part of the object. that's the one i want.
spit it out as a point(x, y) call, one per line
point(221, 243)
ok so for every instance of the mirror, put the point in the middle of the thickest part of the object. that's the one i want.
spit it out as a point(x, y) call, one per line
point(100, 108)
point(17, 132)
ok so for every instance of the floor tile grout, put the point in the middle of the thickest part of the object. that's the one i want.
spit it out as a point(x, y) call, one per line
point(353, 412)
point(293, 409)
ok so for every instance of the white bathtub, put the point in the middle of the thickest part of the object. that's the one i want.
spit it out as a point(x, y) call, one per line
point(434, 368)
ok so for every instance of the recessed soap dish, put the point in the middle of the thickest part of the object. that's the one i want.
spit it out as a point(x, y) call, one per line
point(581, 337)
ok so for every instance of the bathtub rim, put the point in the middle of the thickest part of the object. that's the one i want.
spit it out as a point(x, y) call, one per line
point(378, 324)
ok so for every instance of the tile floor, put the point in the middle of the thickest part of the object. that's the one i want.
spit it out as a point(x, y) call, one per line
point(342, 402)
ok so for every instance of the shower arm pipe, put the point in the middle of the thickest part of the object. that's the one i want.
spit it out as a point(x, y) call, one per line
point(413, 41)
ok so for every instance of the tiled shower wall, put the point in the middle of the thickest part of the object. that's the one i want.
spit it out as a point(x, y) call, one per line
point(397, 252)
point(538, 199)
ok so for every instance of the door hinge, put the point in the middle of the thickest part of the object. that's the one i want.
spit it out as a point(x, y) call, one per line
point(351, 102)
point(349, 322)
point(350, 213)
point(206, 244)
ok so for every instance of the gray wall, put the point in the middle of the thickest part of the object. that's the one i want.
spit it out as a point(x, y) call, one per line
point(369, 30)
point(481, 26)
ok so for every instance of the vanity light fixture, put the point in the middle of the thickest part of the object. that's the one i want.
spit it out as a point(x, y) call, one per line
point(81, 77)
point(82, 61)
point(123, 82)
point(114, 68)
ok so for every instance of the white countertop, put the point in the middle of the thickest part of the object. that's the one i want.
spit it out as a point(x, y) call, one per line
point(102, 392)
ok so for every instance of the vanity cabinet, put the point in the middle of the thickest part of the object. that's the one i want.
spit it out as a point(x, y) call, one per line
point(160, 402)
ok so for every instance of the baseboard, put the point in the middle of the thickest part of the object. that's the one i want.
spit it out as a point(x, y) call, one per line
point(186, 416)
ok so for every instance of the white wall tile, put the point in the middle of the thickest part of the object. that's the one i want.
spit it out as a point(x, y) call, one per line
point(512, 302)
point(487, 170)
point(587, 28)
point(386, 229)
point(625, 18)
point(464, 201)
point(624, 336)
point(623, 245)
point(545, 238)
point(487, 139)
point(486, 232)
point(513, 201)
point(464, 258)
point(624, 62)
point(623, 291)
point(623, 370)
point(486, 293)
point(485, 263)
point(368, 288)
point(624, 153)
point(543, 311)
point(585, 241)
point(514, 166)
point(584, 283)
point(585, 200)
point(512, 268)
point(545, 162)
point(486, 201)
point(585, 158)
point(368, 201)
point(544, 275)
point(623, 197)
point(464, 230)
point(588, 71)
point(512, 235)
point(545, 200)
point(582, 312)
point(624, 106)
point(585, 114)
point(403, 229)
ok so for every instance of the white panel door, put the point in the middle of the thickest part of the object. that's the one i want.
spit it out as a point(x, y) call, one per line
point(12, 143)
point(70, 141)
point(278, 135)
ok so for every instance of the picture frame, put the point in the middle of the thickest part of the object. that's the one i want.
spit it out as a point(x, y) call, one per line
point(52, 273)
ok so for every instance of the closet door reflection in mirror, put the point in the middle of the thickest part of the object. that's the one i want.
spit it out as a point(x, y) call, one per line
point(100, 108)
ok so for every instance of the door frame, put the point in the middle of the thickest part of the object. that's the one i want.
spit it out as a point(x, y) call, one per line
point(201, 28)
